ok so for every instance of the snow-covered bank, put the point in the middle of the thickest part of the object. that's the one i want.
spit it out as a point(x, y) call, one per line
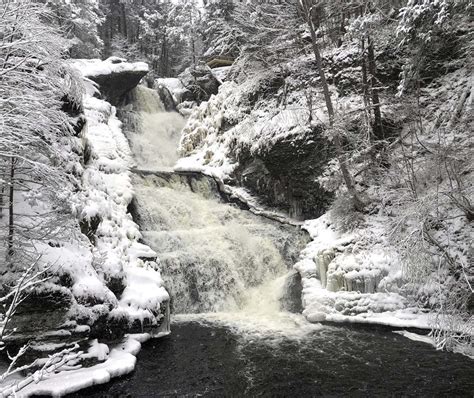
point(118, 361)
point(111, 282)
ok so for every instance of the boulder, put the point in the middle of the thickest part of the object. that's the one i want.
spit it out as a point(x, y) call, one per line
point(291, 299)
point(284, 176)
point(199, 82)
point(167, 98)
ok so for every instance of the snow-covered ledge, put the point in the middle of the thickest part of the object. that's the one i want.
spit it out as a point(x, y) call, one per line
point(115, 76)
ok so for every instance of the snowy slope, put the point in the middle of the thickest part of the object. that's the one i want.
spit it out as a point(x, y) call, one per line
point(361, 275)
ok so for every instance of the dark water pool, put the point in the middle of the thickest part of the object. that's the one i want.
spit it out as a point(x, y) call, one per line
point(204, 360)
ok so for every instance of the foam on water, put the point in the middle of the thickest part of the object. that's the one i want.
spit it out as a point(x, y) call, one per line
point(155, 145)
point(260, 317)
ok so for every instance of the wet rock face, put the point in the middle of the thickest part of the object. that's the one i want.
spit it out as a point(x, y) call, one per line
point(291, 300)
point(40, 317)
point(166, 98)
point(284, 176)
point(199, 82)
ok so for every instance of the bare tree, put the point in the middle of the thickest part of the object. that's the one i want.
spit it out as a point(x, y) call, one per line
point(309, 9)
point(35, 140)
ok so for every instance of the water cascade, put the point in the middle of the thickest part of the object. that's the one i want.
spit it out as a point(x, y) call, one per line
point(227, 272)
point(155, 137)
point(214, 256)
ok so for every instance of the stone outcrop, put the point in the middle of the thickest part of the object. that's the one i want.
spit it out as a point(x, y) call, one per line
point(114, 76)
point(284, 176)
point(199, 83)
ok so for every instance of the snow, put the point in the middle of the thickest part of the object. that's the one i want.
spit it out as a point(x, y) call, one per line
point(174, 85)
point(97, 350)
point(416, 337)
point(107, 194)
point(221, 72)
point(96, 67)
point(353, 277)
point(118, 362)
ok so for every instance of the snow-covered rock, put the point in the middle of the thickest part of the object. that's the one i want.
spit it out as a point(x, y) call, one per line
point(115, 76)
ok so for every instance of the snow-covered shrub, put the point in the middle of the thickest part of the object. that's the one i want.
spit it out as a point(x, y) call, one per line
point(344, 215)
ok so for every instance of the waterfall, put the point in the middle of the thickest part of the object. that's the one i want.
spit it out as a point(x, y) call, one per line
point(212, 254)
point(155, 143)
point(214, 257)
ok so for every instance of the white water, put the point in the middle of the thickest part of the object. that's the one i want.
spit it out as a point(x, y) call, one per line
point(155, 145)
point(211, 253)
point(219, 263)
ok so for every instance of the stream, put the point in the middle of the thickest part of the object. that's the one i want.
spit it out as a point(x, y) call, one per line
point(236, 328)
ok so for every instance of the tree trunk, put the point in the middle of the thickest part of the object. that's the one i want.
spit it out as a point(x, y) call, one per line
point(2, 193)
point(123, 21)
point(378, 127)
point(358, 204)
point(11, 228)
point(365, 90)
point(164, 57)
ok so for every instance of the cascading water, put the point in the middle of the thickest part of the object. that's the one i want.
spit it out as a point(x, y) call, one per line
point(215, 257)
point(155, 141)
point(212, 254)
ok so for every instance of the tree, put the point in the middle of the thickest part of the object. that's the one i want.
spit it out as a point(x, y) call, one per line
point(79, 20)
point(309, 9)
point(221, 34)
point(424, 27)
point(33, 83)
point(36, 152)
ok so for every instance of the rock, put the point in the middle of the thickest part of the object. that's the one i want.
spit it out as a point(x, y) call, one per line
point(115, 76)
point(166, 98)
point(291, 300)
point(199, 82)
point(115, 86)
point(284, 176)
point(43, 311)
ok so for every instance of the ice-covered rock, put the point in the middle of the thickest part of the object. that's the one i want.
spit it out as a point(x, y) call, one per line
point(267, 149)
